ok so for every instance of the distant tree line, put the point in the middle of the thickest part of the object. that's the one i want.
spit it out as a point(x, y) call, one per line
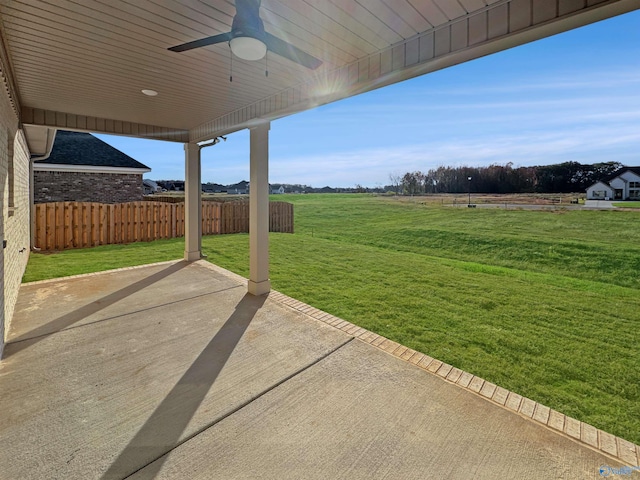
point(565, 177)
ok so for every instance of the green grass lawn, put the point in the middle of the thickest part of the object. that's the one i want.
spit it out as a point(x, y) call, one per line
point(542, 303)
point(627, 204)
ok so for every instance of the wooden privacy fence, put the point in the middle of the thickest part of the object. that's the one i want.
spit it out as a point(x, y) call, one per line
point(64, 225)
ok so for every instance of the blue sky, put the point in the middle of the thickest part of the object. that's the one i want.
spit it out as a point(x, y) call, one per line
point(571, 97)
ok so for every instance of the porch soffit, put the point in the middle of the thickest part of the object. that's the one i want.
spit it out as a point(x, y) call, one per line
point(82, 65)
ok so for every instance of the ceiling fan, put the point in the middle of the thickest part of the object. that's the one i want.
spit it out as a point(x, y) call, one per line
point(249, 41)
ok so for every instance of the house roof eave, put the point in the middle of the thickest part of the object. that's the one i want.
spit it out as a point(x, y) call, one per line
point(61, 167)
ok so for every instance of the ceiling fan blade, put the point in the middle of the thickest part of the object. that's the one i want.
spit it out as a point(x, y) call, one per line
point(287, 50)
point(203, 42)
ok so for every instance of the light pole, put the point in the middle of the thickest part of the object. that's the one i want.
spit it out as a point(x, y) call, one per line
point(469, 178)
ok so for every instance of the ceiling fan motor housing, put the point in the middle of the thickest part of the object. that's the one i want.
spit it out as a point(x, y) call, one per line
point(247, 21)
point(247, 31)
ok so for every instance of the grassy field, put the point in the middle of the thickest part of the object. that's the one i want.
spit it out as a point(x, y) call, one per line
point(542, 303)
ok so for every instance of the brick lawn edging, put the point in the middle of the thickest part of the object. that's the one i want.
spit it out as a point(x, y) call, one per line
point(616, 447)
point(619, 448)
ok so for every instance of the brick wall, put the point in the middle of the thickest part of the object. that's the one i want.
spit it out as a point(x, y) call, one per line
point(17, 225)
point(4, 191)
point(14, 224)
point(87, 187)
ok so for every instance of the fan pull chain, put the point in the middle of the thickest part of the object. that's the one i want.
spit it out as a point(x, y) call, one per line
point(230, 65)
point(266, 64)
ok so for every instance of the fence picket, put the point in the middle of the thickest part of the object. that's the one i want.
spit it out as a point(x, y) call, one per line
point(74, 229)
point(112, 221)
point(83, 225)
point(94, 218)
point(117, 223)
point(41, 225)
point(67, 226)
point(102, 215)
point(50, 228)
point(130, 223)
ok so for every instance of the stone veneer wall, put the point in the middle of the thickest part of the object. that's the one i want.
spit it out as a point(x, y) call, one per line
point(87, 187)
point(15, 221)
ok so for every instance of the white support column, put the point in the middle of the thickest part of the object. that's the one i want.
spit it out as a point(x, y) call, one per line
point(259, 211)
point(192, 199)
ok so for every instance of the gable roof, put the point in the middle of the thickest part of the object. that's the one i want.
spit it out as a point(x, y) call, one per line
point(600, 182)
point(79, 148)
point(619, 172)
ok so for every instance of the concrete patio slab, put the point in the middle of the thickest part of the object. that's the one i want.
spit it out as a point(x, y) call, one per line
point(104, 399)
point(173, 371)
point(363, 414)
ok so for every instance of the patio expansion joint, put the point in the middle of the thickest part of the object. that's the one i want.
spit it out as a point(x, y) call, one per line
point(244, 404)
point(582, 433)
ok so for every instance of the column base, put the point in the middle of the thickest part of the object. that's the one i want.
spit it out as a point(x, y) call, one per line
point(192, 256)
point(258, 288)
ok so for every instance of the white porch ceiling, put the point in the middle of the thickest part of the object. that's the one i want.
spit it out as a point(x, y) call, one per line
point(82, 64)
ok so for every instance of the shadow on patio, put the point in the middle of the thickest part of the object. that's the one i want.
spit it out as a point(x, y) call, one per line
point(171, 417)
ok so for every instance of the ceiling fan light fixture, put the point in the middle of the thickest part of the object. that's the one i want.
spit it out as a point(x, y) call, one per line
point(248, 48)
point(249, 41)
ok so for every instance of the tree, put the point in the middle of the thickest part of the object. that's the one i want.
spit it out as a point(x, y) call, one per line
point(564, 177)
point(396, 180)
point(413, 183)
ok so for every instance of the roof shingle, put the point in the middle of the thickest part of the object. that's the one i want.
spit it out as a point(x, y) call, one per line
point(79, 148)
point(619, 172)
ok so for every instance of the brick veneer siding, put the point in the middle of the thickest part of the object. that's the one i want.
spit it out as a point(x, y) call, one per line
point(87, 187)
point(15, 221)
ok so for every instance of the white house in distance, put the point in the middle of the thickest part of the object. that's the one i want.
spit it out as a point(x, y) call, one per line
point(621, 185)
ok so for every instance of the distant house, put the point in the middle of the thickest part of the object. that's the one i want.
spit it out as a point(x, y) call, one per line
point(171, 185)
point(621, 185)
point(214, 188)
point(240, 188)
point(149, 187)
point(277, 190)
point(83, 168)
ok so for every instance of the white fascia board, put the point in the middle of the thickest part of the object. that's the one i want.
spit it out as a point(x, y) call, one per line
point(55, 167)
